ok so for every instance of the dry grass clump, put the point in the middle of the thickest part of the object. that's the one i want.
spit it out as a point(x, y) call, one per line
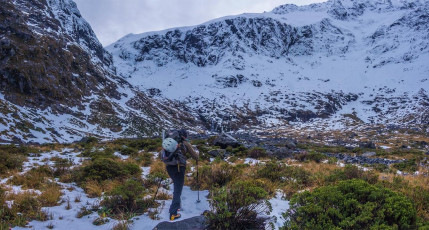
point(33, 179)
point(163, 196)
point(93, 188)
point(157, 166)
point(28, 204)
point(51, 194)
point(215, 175)
point(121, 225)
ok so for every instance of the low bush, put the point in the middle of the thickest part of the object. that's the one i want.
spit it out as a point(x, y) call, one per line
point(140, 144)
point(277, 172)
point(418, 192)
point(107, 169)
point(406, 166)
point(128, 151)
point(144, 159)
point(240, 151)
point(351, 172)
point(256, 153)
point(10, 161)
point(316, 157)
point(95, 153)
point(352, 204)
point(127, 198)
point(215, 175)
point(272, 171)
point(240, 205)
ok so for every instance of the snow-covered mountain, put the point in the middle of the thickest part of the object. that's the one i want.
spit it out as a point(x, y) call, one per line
point(57, 82)
point(340, 63)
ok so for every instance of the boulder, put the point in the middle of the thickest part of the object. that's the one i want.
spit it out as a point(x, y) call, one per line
point(225, 140)
point(196, 223)
point(16, 140)
point(367, 145)
point(217, 153)
point(369, 154)
point(290, 144)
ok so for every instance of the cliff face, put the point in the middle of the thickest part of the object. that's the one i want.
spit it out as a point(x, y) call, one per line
point(50, 56)
point(58, 82)
point(336, 63)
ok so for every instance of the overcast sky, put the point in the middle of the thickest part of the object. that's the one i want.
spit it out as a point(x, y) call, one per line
point(113, 19)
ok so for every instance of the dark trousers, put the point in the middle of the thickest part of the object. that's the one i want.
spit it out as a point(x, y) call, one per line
point(178, 178)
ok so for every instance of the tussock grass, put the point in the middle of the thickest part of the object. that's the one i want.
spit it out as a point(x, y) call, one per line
point(51, 195)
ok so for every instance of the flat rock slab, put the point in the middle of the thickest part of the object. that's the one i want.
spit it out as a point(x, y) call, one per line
point(193, 223)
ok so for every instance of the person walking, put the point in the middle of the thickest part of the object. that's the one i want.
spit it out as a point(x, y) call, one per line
point(176, 147)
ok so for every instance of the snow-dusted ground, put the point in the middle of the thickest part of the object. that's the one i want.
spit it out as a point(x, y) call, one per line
point(63, 218)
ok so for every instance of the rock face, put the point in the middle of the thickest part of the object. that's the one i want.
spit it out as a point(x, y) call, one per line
point(344, 64)
point(225, 141)
point(195, 223)
point(58, 83)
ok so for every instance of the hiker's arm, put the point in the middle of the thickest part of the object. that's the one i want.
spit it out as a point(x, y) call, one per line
point(191, 150)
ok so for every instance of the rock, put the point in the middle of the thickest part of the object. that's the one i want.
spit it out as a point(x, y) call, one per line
point(290, 144)
point(367, 145)
point(224, 141)
point(353, 135)
point(16, 140)
point(196, 223)
point(369, 154)
point(217, 153)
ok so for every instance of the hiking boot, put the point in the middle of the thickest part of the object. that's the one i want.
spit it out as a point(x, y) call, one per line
point(175, 216)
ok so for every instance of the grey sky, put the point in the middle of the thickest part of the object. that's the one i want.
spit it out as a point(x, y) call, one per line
point(113, 19)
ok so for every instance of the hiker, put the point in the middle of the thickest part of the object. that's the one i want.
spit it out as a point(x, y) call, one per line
point(175, 146)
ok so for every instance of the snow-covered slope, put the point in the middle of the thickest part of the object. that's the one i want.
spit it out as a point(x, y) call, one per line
point(57, 82)
point(339, 62)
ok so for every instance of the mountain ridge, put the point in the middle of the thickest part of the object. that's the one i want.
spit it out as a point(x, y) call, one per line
point(224, 61)
point(58, 83)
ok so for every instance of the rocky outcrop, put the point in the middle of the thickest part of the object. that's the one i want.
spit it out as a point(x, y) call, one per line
point(57, 82)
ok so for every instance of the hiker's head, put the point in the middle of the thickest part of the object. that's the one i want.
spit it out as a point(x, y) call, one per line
point(169, 144)
point(178, 135)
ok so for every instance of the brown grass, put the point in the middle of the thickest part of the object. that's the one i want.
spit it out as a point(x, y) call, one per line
point(157, 167)
point(163, 196)
point(93, 189)
point(50, 195)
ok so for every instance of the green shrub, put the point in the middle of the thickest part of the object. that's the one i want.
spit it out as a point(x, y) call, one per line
point(128, 151)
point(256, 153)
point(284, 174)
point(316, 157)
point(94, 153)
point(10, 161)
point(272, 171)
point(140, 144)
point(215, 175)
point(406, 166)
point(298, 175)
point(144, 159)
point(351, 172)
point(106, 169)
point(238, 206)
point(127, 198)
point(18, 150)
point(352, 204)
